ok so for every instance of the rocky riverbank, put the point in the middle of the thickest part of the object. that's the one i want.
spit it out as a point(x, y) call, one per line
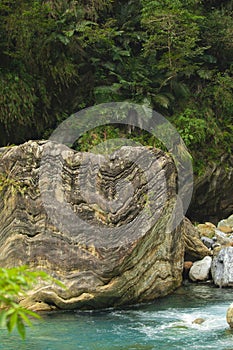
point(218, 264)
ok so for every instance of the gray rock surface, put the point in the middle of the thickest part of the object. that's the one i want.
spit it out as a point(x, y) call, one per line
point(222, 238)
point(200, 270)
point(222, 267)
point(208, 242)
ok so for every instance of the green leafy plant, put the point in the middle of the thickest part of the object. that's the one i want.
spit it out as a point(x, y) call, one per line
point(14, 283)
point(192, 129)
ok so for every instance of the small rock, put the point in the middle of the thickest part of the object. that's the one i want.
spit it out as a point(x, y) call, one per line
point(199, 320)
point(186, 268)
point(225, 229)
point(222, 237)
point(200, 269)
point(188, 265)
point(207, 229)
point(210, 224)
point(226, 222)
point(207, 241)
point(230, 316)
point(216, 245)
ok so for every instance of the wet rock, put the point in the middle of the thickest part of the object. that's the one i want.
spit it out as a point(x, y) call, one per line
point(200, 270)
point(229, 316)
point(199, 320)
point(222, 267)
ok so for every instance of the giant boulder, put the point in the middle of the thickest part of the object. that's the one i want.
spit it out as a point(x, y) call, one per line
point(75, 216)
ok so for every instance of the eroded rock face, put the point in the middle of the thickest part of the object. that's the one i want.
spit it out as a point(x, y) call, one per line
point(213, 192)
point(194, 247)
point(119, 251)
point(226, 225)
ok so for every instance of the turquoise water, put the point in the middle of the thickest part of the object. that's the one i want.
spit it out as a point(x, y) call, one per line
point(164, 324)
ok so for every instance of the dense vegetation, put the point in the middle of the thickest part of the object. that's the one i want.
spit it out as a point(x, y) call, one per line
point(57, 57)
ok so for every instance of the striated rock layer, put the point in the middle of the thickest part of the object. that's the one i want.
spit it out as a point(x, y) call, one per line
point(194, 247)
point(213, 192)
point(99, 224)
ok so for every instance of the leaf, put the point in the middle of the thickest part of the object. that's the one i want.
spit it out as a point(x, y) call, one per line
point(162, 100)
point(21, 328)
point(25, 318)
point(59, 283)
point(3, 318)
point(11, 323)
point(63, 39)
point(69, 33)
point(31, 313)
point(205, 74)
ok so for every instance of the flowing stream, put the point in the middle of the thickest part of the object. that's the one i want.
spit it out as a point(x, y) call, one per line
point(164, 324)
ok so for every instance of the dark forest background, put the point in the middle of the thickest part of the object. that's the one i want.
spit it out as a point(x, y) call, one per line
point(58, 57)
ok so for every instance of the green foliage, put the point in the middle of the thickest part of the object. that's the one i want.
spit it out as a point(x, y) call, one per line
point(39, 65)
point(14, 283)
point(94, 137)
point(173, 35)
point(106, 139)
point(57, 57)
point(192, 129)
